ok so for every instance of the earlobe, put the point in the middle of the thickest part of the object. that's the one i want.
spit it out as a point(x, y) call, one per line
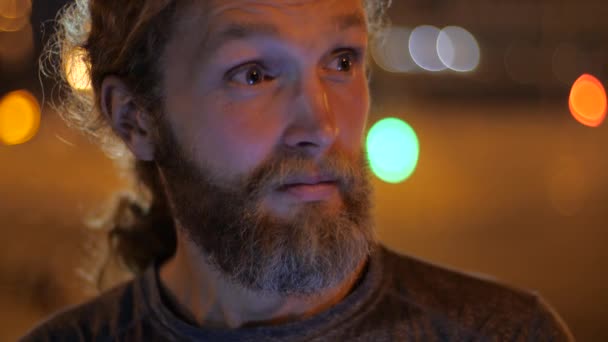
point(129, 121)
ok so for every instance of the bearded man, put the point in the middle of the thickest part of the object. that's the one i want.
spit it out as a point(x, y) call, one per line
point(244, 120)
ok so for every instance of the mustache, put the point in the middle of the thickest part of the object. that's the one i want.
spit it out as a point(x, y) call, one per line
point(283, 166)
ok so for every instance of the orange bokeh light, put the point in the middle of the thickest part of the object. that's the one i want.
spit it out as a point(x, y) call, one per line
point(588, 101)
point(19, 117)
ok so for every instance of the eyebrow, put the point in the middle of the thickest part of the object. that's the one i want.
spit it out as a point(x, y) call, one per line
point(245, 30)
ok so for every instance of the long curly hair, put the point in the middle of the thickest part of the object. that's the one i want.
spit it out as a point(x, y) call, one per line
point(125, 39)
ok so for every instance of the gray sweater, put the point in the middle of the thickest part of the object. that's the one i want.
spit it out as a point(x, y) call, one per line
point(399, 298)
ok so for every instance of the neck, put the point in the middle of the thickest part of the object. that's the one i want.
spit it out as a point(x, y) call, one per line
point(202, 295)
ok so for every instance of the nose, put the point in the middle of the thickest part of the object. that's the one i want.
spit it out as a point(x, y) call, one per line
point(313, 127)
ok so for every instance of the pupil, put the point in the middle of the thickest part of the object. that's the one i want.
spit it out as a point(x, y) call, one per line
point(345, 64)
point(253, 77)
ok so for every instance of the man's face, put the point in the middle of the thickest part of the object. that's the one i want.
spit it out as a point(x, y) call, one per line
point(266, 103)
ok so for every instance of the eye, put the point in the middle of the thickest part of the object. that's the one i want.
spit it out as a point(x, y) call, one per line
point(345, 61)
point(249, 75)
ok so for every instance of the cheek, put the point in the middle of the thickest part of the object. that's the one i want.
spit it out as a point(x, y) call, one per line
point(351, 107)
point(238, 135)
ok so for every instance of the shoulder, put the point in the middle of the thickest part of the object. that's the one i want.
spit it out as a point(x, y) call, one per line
point(470, 302)
point(439, 287)
point(107, 315)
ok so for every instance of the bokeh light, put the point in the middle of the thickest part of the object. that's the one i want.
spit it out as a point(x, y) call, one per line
point(77, 70)
point(17, 49)
point(19, 117)
point(423, 48)
point(393, 150)
point(458, 49)
point(16, 35)
point(14, 14)
point(402, 50)
point(588, 101)
point(15, 8)
point(13, 24)
point(391, 52)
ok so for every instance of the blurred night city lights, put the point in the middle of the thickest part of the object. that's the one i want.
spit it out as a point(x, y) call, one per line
point(393, 150)
point(427, 48)
point(19, 117)
point(391, 52)
point(423, 47)
point(14, 14)
point(458, 49)
point(16, 36)
point(504, 101)
point(588, 101)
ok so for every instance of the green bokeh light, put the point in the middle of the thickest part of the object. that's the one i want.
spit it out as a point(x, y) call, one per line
point(393, 150)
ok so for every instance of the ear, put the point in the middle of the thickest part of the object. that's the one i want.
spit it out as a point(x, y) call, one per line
point(128, 120)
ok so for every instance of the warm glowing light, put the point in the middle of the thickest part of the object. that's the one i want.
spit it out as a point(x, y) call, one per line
point(77, 70)
point(423, 48)
point(13, 24)
point(14, 14)
point(17, 49)
point(393, 150)
point(588, 101)
point(15, 8)
point(19, 117)
point(458, 49)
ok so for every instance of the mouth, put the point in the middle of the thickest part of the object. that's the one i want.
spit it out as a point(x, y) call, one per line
point(310, 189)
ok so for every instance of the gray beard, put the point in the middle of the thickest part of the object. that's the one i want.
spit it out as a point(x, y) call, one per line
point(312, 250)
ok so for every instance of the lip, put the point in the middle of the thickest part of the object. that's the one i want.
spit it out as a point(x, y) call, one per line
point(308, 180)
point(312, 192)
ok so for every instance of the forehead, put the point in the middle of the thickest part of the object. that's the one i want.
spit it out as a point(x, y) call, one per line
point(279, 17)
point(288, 7)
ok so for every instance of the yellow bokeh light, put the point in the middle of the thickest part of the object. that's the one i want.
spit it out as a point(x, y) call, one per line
point(17, 49)
point(13, 9)
point(13, 24)
point(14, 14)
point(77, 70)
point(19, 117)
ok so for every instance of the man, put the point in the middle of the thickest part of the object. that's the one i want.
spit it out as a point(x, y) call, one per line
point(246, 121)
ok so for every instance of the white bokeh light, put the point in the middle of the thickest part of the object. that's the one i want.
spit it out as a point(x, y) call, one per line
point(391, 52)
point(423, 48)
point(458, 49)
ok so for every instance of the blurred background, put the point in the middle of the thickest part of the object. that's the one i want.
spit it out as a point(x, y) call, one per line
point(486, 139)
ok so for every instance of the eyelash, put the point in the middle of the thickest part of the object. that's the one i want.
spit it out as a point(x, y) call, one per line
point(354, 54)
